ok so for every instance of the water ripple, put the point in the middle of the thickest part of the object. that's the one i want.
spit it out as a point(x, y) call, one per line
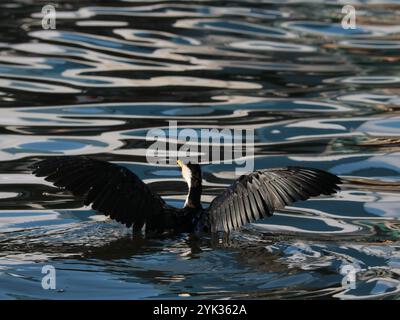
point(315, 94)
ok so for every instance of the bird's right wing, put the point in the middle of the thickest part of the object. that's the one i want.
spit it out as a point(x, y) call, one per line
point(111, 189)
point(260, 193)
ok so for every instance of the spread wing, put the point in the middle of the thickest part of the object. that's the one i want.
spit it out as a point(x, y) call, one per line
point(111, 189)
point(260, 193)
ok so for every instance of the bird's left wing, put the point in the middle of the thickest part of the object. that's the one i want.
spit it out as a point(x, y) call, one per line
point(260, 193)
point(111, 189)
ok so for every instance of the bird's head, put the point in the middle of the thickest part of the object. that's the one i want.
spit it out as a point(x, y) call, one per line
point(191, 172)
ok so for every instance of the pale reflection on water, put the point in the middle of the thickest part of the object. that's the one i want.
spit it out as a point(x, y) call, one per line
point(315, 94)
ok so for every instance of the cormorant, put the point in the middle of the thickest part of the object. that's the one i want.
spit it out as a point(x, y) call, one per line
point(120, 194)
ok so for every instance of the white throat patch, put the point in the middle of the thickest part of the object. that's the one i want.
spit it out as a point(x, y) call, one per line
point(187, 175)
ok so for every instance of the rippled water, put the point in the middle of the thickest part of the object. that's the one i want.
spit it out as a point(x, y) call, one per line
point(316, 95)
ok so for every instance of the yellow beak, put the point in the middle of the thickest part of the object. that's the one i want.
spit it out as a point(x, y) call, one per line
point(179, 163)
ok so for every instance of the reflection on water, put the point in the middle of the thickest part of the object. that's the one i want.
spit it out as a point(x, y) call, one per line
point(315, 94)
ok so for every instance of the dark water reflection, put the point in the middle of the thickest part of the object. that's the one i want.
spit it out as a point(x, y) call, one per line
point(315, 94)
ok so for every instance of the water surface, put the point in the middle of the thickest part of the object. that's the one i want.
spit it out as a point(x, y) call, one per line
point(315, 94)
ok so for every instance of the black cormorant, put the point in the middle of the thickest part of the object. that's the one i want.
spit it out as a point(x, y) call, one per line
point(119, 193)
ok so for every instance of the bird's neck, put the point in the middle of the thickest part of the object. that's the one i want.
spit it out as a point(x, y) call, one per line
point(193, 199)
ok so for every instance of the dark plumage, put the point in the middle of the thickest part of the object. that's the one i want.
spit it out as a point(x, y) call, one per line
point(117, 192)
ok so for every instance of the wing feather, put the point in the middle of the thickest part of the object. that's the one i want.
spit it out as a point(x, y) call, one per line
point(110, 189)
point(260, 193)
